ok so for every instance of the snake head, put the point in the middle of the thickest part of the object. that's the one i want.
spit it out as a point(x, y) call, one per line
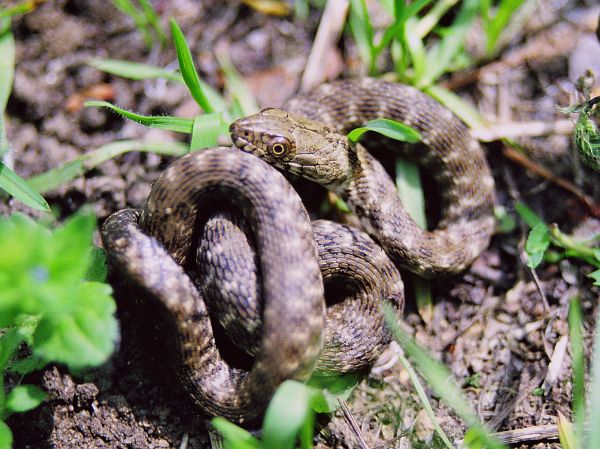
point(294, 144)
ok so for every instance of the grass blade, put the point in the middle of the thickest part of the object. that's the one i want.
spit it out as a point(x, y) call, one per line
point(67, 172)
point(414, 378)
point(188, 70)
point(578, 365)
point(152, 19)
point(361, 28)
point(465, 111)
point(566, 435)
point(205, 131)
point(21, 190)
point(439, 61)
point(235, 437)
point(496, 25)
point(530, 218)
point(134, 70)
point(593, 435)
point(288, 416)
point(389, 128)
point(175, 124)
point(137, 71)
point(433, 17)
point(129, 9)
point(236, 86)
point(410, 190)
point(7, 70)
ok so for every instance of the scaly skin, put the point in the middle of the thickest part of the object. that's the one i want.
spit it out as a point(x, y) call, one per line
point(309, 141)
point(274, 256)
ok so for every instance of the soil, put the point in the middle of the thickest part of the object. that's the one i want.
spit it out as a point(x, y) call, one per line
point(489, 326)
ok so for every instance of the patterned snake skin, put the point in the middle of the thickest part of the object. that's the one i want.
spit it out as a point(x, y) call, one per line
point(317, 149)
point(155, 251)
point(224, 235)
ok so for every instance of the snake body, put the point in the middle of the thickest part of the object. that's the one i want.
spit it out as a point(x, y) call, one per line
point(155, 251)
point(262, 261)
point(308, 140)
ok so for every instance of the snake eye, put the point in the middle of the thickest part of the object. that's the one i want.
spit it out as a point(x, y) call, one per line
point(279, 146)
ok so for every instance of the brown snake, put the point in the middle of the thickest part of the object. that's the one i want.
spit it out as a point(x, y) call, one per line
point(317, 149)
point(193, 199)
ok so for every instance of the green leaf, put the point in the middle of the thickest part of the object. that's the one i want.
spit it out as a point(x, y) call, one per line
point(23, 398)
point(71, 248)
point(176, 124)
point(21, 190)
point(9, 342)
point(97, 270)
point(6, 436)
point(505, 222)
point(388, 128)
point(42, 293)
point(234, 436)
point(22, 245)
point(188, 70)
point(134, 70)
point(595, 275)
point(289, 416)
point(527, 215)
point(205, 131)
point(410, 190)
point(84, 334)
point(27, 365)
point(537, 243)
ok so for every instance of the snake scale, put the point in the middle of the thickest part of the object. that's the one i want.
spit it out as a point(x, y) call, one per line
point(222, 224)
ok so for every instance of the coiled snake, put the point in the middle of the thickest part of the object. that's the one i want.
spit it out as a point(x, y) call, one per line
point(256, 239)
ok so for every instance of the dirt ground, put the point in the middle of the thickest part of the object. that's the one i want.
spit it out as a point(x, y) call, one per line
point(489, 326)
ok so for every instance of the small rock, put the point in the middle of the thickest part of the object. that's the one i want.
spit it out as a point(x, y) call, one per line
point(423, 427)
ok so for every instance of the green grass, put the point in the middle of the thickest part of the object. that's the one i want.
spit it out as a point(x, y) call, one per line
point(145, 19)
point(581, 435)
point(204, 129)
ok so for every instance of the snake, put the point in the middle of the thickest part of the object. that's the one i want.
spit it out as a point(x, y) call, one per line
point(154, 251)
point(226, 223)
point(308, 139)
